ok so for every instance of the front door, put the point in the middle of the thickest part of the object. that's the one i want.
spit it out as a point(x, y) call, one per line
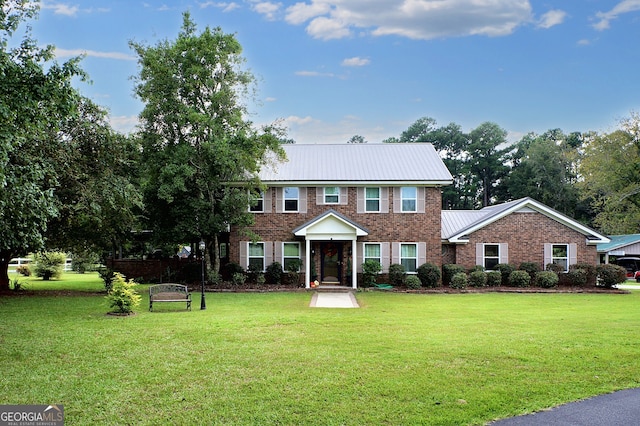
point(331, 270)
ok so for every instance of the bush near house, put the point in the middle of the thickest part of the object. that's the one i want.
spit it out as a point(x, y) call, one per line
point(448, 271)
point(370, 270)
point(429, 275)
point(574, 278)
point(610, 275)
point(397, 274)
point(519, 278)
point(505, 271)
point(494, 278)
point(477, 279)
point(459, 281)
point(532, 268)
point(273, 273)
point(547, 279)
point(413, 282)
point(590, 270)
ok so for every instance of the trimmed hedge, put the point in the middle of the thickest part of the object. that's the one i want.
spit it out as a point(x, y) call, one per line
point(413, 282)
point(448, 271)
point(429, 275)
point(459, 280)
point(547, 279)
point(519, 278)
point(477, 279)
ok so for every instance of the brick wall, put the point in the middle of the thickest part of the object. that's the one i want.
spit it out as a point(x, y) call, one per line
point(525, 234)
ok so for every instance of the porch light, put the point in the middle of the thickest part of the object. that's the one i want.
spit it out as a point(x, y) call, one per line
point(203, 303)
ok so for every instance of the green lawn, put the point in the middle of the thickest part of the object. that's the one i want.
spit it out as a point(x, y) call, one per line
point(267, 358)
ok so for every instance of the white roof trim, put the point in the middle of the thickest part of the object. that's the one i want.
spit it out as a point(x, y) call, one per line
point(462, 237)
point(340, 229)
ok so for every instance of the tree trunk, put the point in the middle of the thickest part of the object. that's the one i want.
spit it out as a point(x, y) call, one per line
point(4, 271)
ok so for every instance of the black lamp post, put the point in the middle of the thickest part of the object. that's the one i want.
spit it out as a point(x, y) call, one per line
point(203, 303)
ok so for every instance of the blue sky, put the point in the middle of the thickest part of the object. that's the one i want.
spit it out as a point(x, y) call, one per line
point(331, 69)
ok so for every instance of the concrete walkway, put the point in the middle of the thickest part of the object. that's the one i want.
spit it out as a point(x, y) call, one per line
point(333, 300)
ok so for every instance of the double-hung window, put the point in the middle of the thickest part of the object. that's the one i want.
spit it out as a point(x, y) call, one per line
point(409, 257)
point(290, 256)
point(560, 255)
point(257, 202)
point(491, 256)
point(256, 256)
point(372, 251)
point(332, 195)
point(372, 199)
point(291, 198)
point(409, 199)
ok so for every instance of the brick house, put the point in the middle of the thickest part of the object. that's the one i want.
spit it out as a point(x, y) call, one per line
point(331, 207)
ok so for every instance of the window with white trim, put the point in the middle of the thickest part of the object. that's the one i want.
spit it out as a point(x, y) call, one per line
point(372, 199)
point(560, 255)
point(490, 256)
point(291, 198)
point(332, 195)
point(409, 199)
point(409, 257)
point(372, 251)
point(257, 202)
point(290, 254)
point(256, 256)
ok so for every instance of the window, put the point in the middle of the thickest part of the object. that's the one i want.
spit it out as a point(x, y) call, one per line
point(290, 254)
point(372, 199)
point(409, 198)
point(560, 255)
point(257, 202)
point(332, 195)
point(372, 251)
point(291, 196)
point(409, 257)
point(491, 256)
point(256, 256)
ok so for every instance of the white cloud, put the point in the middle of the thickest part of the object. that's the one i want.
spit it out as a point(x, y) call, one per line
point(314, 74)
point(552, 18)
point(61, 9)
point(605, 18)
point(124, 124)
point(270, 99)
point(355, 62)
point(69, 53)
point(416, 19)
point(226, 7)
point(584, 42)
point(268, 9)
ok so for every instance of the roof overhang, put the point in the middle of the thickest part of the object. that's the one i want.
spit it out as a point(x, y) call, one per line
point(330, 225)
point(431, 183)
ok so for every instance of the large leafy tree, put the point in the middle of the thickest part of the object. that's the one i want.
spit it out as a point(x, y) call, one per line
point(200, 152)
point(36, 97)
point(487, 157)
point(611, 177)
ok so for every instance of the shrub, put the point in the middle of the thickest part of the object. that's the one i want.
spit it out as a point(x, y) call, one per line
point(494, 278)
point(238, 278)
point(123, 298)
point(230, 269)
point(531, 267)
point(413, 282)
point(590, 270)
point(24, 270)
point(459, 280)
point(49, 264)
point(16, 285)
point(397, 274)
point(274, 272)
point(477, 279)
point(519, 278)
point(214, 277)
point(547, 279)
point(476, 268)
point(448, 271)
point(293, 276)
point(260, 280)
point(554, 267)
point(429, 275)
point(252, 272)
point(370, 270)
point(84, 261)
point(505, 271)
point(610, 275)
point(576, 277)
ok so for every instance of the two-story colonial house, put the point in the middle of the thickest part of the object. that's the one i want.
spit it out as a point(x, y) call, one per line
point(331, 207)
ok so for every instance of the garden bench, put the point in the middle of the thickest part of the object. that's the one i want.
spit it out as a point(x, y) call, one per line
point(169, 293)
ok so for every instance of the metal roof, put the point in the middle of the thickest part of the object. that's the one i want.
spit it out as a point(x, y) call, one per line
point(391, 163)
point(619, 242)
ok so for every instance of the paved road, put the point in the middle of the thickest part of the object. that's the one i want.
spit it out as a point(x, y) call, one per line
point(615, 409)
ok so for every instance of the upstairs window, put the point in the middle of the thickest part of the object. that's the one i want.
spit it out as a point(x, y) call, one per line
point(291, 198)
point(372, 199)
point(257, 202)
point(409, 199)
point(332, 195)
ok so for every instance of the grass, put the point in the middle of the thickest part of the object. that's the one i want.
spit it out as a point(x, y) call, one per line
point(267, 358)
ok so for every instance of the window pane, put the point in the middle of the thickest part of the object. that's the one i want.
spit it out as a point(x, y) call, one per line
point(373, 205)
point(408, 250)
point(409, 265)
point(256, 249)
point(561, 262)
point(372, 193)
point(291, 205)
point(408, 205)
point(560, 251)
point(491, 250)
point(289, 261)
point(372, 250)
point(257, 263)
point(409, 192)
point(331, 190)
point(490, 264)
point(291, 192)
point(291, 250)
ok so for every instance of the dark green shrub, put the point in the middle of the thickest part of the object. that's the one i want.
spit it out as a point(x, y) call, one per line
point(590, 270)
point(293, 274)
point(413, 282)
point(576, 278)
point(252, 272)
point(476, 268)
point(429, 275)
point(554, 267)
point(448, 271)
point(123, 297)
point(532, 268)
point(370, 270)
point(107, 275)
point(273, 274)
point(84, 262)
point(547, 279)
point(230, 269)
point(610, 275)
point(238, 278)
point(24, 270)
point(397, 274)
point(494, 278)
point(459, 281)
point(505, 271)
point(477, 279)
point(519, 278)
point(49, 264)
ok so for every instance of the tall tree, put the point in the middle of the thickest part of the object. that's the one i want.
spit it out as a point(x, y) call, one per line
point(611, 177)
point(36, 96)
point(487, 157)
point(195, 138)
point(357, 139)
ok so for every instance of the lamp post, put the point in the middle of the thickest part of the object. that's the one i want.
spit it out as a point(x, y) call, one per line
point(203, 303)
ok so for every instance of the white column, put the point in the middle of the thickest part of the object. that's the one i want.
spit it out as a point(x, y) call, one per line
point(307, 269)
point(354, 268)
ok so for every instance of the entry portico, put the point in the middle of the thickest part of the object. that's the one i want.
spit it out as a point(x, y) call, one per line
point(330, 228)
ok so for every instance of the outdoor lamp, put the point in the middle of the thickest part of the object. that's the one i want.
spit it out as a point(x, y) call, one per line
point(203, 303)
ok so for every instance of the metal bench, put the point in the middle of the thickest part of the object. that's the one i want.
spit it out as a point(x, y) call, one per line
point(169, 293)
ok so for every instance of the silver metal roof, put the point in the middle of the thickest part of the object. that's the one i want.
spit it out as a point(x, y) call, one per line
point(416, 163)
